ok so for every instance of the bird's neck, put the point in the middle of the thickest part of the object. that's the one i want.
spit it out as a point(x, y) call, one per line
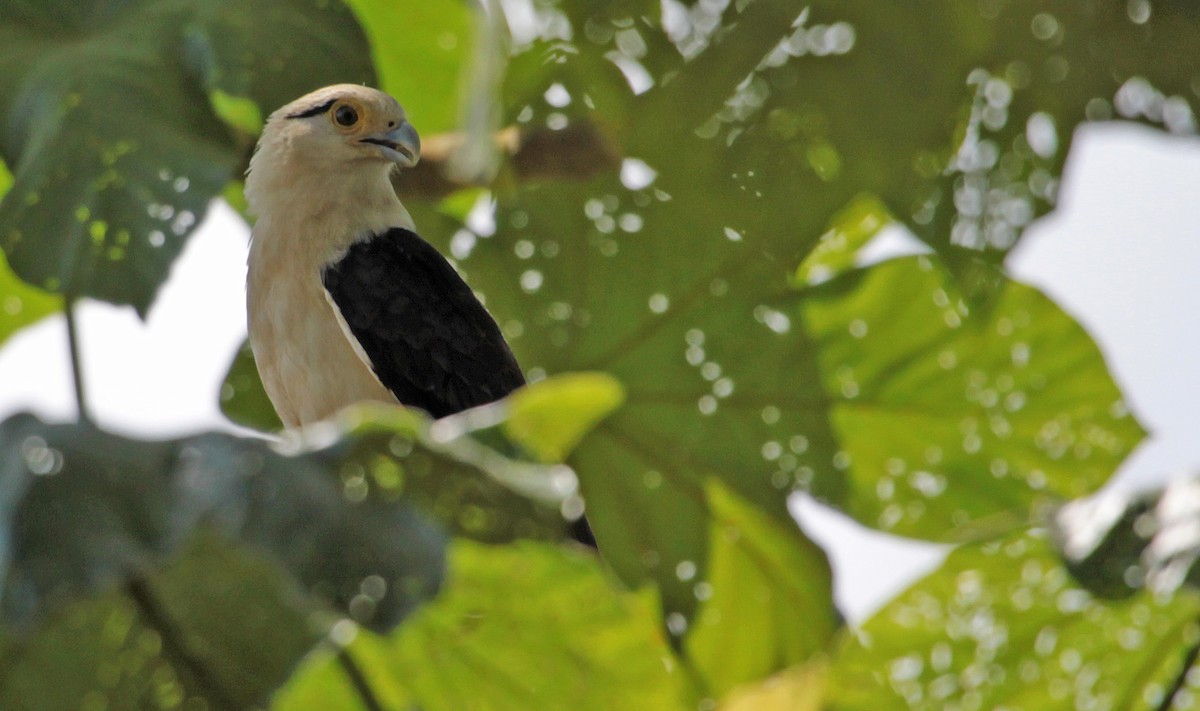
point(315, 212)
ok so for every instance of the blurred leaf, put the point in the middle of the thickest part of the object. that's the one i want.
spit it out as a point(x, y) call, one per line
point(321, 683)
point(768, 601)
point(797, 689)
point(838, 249)
point(1116, 544)
point(956, 422)
point(115, 148)
point(83, 511)
point(238, 111)
point(1001, 625)
point(20, 304)
point(420, 51)
point(223, 628)
point(471, 489)
point(521, 627)
point(550, 417)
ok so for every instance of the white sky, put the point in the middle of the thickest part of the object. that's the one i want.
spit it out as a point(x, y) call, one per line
point(1121, 255)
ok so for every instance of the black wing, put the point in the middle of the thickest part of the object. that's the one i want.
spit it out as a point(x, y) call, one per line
point(428, 338)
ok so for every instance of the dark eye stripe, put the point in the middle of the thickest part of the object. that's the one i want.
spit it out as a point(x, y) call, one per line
point(314, 111)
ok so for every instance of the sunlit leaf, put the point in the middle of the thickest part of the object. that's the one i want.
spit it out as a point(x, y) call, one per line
point(797, 689)
point(20, 304)
point(1002, 625)
point(519, 628)
point(550, 417)
point(838, 249)
point(768, 600)
point(954, 422)
point(114, 146)
point(420, 51)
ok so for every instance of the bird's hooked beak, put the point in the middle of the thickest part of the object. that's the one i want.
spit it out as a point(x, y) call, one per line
point(401, 145)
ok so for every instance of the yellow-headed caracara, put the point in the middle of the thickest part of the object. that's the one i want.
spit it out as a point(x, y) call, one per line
point(345, 301)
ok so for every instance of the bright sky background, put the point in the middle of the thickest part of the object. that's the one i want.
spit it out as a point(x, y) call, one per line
point(1121, 254)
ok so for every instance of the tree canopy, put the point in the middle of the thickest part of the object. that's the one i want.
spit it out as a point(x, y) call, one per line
point(674, 199)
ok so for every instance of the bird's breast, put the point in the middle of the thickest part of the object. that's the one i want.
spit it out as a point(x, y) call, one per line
point(308, 364)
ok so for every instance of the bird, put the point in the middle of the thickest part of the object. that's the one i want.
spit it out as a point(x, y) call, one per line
point(345, 301)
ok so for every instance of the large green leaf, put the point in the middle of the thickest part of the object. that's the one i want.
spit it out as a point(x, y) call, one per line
point(194, 556)
point(522, 627)
point(83, 510)
point(218, 626)
point(956, 422)
point(711, 374)
point(1003, 626)
point(108, 129)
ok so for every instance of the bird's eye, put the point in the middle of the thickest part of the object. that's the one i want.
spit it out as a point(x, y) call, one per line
point(345, 115)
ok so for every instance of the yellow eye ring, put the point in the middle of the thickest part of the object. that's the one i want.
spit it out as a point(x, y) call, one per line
point(345, 115)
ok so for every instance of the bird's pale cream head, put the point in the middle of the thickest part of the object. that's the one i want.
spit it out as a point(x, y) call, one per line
point(343, 132)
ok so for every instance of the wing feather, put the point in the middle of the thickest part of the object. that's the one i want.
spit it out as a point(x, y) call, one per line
point(419, 326)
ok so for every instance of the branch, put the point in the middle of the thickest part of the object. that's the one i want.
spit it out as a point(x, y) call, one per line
point(578, 152)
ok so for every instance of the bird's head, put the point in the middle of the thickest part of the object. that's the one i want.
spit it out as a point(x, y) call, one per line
point(344, 130)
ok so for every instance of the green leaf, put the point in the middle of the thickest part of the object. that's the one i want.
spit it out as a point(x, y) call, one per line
point(550, 417)
point(83, 510)
point(768, 601)
point(218, 627)
point(851, 230)
point(713, 376)
point(238, 111)
point(955, 422)
point(21, 305)
point(1116, 544)
point(420, 51)
point(1001, 625)
point(523, 627)
point(114, 145)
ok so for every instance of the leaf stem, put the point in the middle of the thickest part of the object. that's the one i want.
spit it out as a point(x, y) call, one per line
point(155, 616)
point(358, 680)
point(76, 363)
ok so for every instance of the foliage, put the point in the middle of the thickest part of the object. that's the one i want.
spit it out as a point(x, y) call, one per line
point(679, 223)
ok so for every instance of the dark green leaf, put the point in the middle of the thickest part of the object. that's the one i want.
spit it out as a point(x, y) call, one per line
point(114, 145)
point(243, 398)
point(84, 511)
point(217, 626)
point(1116, 544)
point(956, 422)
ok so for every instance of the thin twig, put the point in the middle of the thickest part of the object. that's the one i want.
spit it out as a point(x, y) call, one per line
point(358, 680)
point(175, 649)
point(76, 363)
point(1181, 678)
